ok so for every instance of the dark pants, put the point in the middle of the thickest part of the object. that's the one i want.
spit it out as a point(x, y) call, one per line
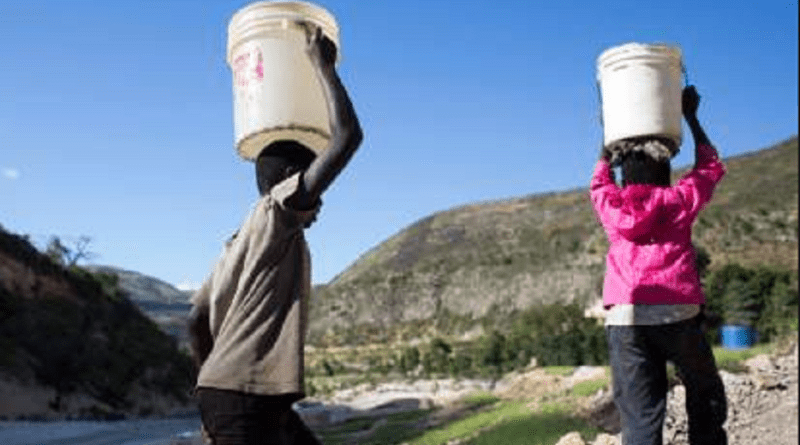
point(638, 357)
point(236, 418)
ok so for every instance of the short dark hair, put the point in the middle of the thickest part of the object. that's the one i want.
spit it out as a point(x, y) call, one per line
point(640, 168)
point(278, 159)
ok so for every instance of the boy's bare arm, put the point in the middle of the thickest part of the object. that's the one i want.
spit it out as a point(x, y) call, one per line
point(346, 134)
point(200, 335)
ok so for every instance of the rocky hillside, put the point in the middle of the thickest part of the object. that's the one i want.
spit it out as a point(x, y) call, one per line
point(72, 343)
point(479, 263)
point(160, 301)
point(143, 288)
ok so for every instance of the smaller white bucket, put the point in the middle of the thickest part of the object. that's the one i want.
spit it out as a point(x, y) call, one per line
point(276, 93)
point(640, 90)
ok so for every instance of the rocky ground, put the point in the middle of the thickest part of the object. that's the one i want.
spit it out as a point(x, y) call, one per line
point(762, 402)
point(762, 406)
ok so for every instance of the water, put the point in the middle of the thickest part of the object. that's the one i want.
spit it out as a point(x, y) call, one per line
point(123, 432)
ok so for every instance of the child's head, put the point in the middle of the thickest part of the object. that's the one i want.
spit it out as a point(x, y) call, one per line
point(279, 160)
point(638, 167)
point(644, 160)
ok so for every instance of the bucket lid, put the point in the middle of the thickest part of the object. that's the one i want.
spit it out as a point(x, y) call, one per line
point(258, 16)
point(662, 52)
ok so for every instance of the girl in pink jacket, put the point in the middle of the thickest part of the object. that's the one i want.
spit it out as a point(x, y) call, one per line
point(652, 292)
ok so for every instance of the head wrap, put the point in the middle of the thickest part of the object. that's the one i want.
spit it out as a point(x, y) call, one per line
point(659, 149)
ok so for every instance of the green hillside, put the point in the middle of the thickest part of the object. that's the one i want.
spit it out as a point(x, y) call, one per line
point(76, 333)
point(476, 264)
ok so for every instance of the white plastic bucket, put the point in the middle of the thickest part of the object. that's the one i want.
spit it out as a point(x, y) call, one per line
point(276, 93)
point(640, 90)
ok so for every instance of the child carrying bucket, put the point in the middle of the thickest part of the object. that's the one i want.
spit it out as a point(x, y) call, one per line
point(651, 291)
point(248, 320)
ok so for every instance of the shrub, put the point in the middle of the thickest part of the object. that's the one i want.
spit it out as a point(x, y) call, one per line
point(409, 359)
point(558, 334)
point(765, 298)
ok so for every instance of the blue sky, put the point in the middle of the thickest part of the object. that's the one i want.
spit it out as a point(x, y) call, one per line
point(116, 117)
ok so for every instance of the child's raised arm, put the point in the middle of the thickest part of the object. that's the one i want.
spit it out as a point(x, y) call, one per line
point(346, 134)
point(697, 186)
point(691, 101)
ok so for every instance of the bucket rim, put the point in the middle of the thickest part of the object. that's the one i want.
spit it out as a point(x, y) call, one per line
point(255, 18)
point(624, 51)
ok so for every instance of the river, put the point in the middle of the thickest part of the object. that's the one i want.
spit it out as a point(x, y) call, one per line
point(179, 431)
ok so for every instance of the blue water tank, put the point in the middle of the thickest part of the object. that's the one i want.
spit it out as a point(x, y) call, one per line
point(737, 337)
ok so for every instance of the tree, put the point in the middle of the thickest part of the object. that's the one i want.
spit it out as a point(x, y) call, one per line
point(765, 298)
point(69, 256)
point(409, 359)
point(743, 302)
point(716, 286)
point(440, 355)
point(779, 314)
point(492, 352)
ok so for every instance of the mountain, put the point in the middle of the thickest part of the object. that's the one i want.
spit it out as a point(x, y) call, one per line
point(476, 265)
point(166, 305)
point(72, 343)
point(143, 288)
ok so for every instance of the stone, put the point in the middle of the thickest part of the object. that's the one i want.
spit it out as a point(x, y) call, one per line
point(606, 439)
point(573, 438)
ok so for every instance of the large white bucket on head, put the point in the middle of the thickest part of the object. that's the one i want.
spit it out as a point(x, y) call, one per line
point(640, 90)
point(276, 93)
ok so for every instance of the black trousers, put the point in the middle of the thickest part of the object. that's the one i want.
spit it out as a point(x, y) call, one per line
point(638, 357)
point(237, 418)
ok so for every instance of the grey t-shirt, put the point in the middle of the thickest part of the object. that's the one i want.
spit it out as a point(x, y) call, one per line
point(257, 298)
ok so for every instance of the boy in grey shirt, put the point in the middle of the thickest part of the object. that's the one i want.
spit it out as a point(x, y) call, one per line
point(248, 320)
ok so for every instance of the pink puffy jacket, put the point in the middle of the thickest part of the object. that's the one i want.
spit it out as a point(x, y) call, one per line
point(651, 259)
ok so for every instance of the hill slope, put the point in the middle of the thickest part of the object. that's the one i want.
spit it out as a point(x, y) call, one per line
point(77, 339)
point(166, 305)
point(143, 288)
point(482, 262)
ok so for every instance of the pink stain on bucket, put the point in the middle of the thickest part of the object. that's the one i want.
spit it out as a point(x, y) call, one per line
point(248, 66)
point(260, 67)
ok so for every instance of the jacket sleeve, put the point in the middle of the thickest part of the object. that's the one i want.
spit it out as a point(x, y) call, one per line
point(604, 192)
point(602, 185)
point(696, 188)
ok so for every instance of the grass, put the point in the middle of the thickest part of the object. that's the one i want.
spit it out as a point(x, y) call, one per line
point(545, 427)
point(511, 423)
point(562, 371)
point(733, 360)
point(466, 427)
point(590, 387)
point(480, 398)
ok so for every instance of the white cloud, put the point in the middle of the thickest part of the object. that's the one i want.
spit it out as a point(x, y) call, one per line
point(187, 286)
point(10, 173)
